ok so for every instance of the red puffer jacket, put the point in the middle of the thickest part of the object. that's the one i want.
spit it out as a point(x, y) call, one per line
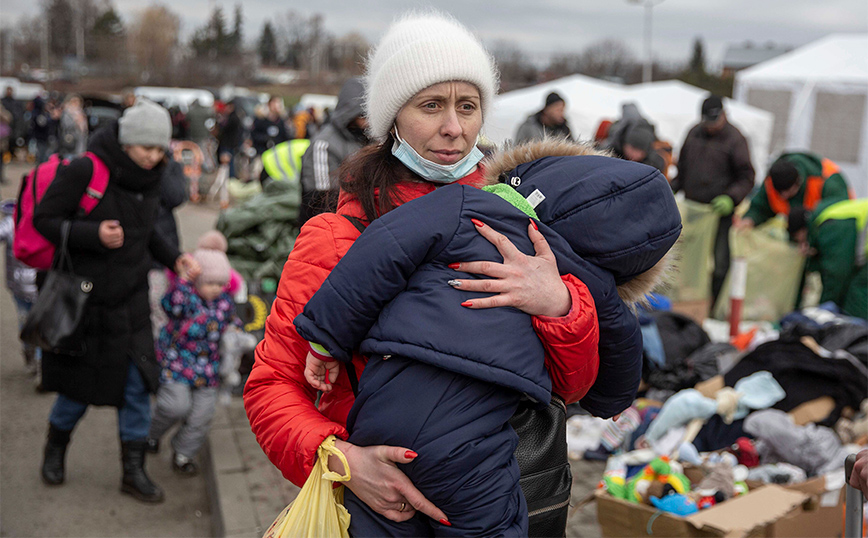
point(280, 403)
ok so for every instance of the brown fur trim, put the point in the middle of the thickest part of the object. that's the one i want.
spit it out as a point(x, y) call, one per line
point(507, 159)
point(633, 292)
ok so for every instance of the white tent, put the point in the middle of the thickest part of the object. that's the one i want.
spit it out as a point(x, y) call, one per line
point(818, 95)
point(672, 106)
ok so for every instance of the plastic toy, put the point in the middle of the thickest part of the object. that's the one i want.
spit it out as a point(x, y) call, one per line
point(658, 470)
point(678, 504)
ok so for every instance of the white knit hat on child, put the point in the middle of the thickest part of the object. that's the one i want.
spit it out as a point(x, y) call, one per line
point(419, 51)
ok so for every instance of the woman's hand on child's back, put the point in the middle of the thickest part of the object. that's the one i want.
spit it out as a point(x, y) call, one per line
point(530, 283)
point(377, 481)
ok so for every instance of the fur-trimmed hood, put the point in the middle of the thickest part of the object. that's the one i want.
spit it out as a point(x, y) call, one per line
point(617, 214)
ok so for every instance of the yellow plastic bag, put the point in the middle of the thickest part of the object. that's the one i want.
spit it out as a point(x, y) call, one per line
point(774, 272)
point(692, 281)
point(318, 511)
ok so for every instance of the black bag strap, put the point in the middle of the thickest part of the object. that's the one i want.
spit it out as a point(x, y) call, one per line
point(354, 380)
point(357, 222)
point(351, 369)
point(61, 257)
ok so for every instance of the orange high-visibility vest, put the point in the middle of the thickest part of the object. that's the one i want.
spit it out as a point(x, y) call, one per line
point(813, 190)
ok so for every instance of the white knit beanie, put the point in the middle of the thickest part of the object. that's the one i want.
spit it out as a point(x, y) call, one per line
point(419, 51)
point(146, 124)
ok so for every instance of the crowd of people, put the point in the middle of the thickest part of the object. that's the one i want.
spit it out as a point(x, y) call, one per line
point(486, 297)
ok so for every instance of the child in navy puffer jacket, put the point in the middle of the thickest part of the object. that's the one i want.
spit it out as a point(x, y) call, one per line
point(188, 350)
point(444, 383)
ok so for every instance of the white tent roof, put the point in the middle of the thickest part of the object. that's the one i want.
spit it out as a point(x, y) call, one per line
point(837, 58)
point(672, 106)
point(819, 94)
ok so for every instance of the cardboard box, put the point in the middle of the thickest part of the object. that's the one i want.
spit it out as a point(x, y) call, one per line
point(768, 510)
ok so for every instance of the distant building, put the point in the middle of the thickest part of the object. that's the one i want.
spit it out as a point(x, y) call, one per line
point(738, 57)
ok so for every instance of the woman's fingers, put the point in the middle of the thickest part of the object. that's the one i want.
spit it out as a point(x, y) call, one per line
point(414, 498)
point(503, 244)
point(540, 245)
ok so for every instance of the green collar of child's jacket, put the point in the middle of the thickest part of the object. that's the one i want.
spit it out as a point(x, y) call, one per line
point(512, 196)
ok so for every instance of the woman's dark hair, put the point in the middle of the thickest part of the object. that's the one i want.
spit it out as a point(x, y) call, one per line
point(371, 176)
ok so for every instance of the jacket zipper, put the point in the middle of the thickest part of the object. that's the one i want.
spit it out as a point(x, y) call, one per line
point(545, 509)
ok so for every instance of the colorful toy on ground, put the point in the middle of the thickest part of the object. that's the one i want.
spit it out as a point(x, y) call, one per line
point(658, 470)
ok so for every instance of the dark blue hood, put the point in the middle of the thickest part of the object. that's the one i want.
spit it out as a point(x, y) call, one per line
point(623, 218)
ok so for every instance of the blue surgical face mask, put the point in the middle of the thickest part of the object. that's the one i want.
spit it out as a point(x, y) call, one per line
point(438, 173)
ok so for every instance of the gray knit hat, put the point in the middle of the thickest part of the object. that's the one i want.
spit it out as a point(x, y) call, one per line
point(146, 124)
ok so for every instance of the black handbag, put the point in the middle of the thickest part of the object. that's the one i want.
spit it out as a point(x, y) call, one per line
point(55, 322)
point(546, 479)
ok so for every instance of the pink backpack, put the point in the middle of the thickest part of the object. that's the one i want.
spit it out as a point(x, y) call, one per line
point(29, 246)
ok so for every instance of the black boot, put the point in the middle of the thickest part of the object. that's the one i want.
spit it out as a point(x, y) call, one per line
point(55, 454)
point(135, 481)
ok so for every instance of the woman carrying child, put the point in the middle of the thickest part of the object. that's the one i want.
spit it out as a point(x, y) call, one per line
point(428, 87)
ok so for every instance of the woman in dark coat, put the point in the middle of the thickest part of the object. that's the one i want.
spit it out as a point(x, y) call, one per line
point(113, 246)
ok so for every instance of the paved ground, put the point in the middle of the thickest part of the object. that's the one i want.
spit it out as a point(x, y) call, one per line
point(238, 495)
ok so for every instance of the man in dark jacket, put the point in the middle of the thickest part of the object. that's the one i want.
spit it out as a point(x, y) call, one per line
point(42, 128)
point(632, 138)
point(230, 136)
point(549, 122)
point(270, 130)
point(714, 168)
point(342, 136)
point(17, 126)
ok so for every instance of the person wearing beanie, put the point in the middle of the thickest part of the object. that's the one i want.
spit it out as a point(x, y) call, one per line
point(113, 246)
point(714, 167)
point(549, 122)
point(634, 138)
point(796, 179)
point(188, 349)
point(639, 147)
point(213, 240)
point(429, 85)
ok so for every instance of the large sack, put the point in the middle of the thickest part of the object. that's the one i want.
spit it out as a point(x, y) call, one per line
point(774, 272)
point(694, 249)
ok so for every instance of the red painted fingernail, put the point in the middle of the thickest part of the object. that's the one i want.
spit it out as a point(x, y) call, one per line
point(454, 265)
point(444, 522)
point(410, 454)
point(478, 223)
point(534, 224)
point(467, 303)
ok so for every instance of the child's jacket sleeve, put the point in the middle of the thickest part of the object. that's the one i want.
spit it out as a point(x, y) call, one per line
point(372, 273)
point(279, 402)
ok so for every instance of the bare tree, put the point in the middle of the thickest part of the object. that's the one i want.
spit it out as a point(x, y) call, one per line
point(24, 38)
point(293, 34)
point(608, 59)
point(516, 68)
point(153, 41)
point(347, 54)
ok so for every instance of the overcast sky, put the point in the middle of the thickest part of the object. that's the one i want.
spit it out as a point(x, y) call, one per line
point(551, 26)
